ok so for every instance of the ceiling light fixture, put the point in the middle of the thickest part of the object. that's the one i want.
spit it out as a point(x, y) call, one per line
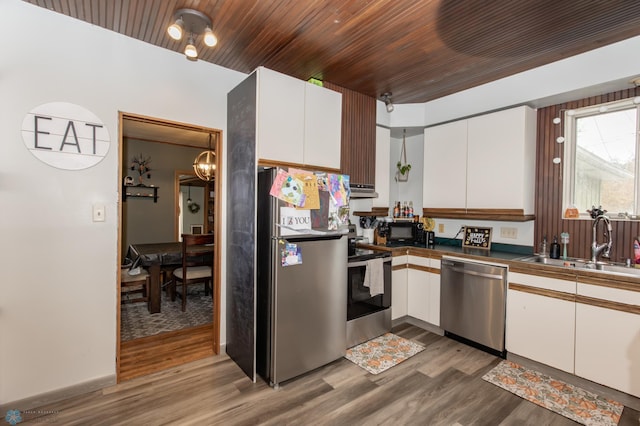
point(205, 164)
point(194, 23)
point(386, 98)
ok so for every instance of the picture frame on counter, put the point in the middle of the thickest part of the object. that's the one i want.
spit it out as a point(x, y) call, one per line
point(477, 237)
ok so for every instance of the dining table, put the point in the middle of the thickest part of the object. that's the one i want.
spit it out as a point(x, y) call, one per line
point(156, 257)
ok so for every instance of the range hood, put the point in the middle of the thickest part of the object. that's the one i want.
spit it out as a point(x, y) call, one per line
point(363, 190)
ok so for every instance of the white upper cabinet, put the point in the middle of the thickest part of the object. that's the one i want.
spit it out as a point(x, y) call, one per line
point(485, 162)
point(383, 170)
point(280, 130)
point(501, 160)
point(298, 122)
point(322, 126)
point(445, 166)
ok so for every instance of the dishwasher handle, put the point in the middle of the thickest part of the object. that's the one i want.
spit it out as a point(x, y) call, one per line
point(476, 273)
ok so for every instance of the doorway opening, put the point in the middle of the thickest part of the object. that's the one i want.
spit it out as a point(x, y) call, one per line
point(159, 202)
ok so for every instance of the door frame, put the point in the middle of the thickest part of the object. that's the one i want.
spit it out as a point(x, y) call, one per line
point(217, 147)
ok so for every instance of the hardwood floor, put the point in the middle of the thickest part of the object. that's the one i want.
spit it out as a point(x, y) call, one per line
point(151, 354)
point(441, 385)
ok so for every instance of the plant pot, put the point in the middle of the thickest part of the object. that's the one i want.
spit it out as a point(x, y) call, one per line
point(402, 177)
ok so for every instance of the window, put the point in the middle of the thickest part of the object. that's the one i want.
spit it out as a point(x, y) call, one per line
point(600, 158)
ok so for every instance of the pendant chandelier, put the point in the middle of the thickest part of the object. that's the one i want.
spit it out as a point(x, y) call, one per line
point(205, 164)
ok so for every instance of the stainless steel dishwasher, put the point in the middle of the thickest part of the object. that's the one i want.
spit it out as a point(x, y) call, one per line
point(473, 303)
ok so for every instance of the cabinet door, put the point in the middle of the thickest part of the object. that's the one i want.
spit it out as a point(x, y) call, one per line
point(280, 132)
point(541, 327)
point(322, 126)
point(434, 293)
point(399, 288)
point(418, 294)
point(445, 166)
point(383, 167)
point(608, 340)
point(423, 290)
point(501, 159)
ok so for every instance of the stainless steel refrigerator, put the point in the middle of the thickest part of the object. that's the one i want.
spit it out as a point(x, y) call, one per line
point(301, 308)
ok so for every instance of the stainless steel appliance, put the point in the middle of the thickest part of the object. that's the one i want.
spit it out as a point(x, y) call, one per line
point(473, 303)
point(367, 316)
point(301, 314)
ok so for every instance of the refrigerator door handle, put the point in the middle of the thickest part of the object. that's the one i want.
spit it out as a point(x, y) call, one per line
point(307, 237)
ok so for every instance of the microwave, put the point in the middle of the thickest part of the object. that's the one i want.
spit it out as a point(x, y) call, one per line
point(405, 232)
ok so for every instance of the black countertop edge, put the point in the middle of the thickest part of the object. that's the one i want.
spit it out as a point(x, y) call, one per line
point(498, 251)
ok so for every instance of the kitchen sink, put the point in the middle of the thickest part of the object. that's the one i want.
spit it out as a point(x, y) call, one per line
point(610, 267)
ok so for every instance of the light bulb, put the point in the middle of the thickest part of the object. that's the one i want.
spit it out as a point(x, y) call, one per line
point(560, 139)
point(556, 160)
point(175, 30)
point(190, 50)
point(389, 107)
point(210, 38)
point(556, 120)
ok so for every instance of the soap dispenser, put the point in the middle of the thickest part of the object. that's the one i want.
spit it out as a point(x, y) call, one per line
point(554, 252)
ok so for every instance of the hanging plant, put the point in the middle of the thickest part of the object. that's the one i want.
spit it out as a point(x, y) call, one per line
point(402, 174)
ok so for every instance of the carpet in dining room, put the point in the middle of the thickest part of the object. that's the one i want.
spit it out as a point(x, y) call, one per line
point(137, 322)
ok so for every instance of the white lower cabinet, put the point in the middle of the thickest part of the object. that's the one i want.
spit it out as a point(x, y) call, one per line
point(399, 287)
point(423, 292)
point(540, 320)
point(608, 337)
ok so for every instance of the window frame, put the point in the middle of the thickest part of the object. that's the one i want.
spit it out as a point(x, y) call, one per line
point(570, 117)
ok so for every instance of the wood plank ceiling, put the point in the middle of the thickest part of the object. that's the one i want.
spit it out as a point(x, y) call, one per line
point(419, 50)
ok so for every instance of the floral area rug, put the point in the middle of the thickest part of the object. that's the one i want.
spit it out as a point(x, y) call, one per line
point(570, 401)
point(383, 352)
point(137, 322)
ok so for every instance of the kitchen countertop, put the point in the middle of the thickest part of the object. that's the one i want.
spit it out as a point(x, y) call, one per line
point(448, 250)
point(510, 259)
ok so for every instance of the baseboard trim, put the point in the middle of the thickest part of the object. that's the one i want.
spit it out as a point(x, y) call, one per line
point(419, 323)
point(59, 394)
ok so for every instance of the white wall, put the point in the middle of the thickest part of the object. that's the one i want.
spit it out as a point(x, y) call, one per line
point(411, 190)
point(58, 304)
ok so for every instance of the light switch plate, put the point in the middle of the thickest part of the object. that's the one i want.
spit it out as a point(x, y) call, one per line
point(98, 213)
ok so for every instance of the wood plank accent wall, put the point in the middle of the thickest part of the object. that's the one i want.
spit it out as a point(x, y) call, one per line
point(358, 151)
point(549, 186)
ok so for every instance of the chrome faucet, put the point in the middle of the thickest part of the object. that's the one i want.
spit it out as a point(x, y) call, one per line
point(604, 248)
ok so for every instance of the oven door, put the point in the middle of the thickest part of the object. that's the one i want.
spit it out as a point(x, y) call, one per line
point(359, 300)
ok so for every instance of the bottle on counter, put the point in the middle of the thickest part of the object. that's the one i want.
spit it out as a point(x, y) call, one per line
point(410, 213)
point(543, 247)
point(555, 249)
point(396, 209)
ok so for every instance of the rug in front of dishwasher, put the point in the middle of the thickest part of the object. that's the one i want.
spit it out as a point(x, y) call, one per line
point(383, 352)
point(565, 399)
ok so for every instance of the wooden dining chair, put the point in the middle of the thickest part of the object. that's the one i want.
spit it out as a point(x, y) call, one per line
point(197, 265)
point(132, 284)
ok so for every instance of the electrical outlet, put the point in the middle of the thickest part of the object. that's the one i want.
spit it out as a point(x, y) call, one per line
point(441, 228)
point(509, 232)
